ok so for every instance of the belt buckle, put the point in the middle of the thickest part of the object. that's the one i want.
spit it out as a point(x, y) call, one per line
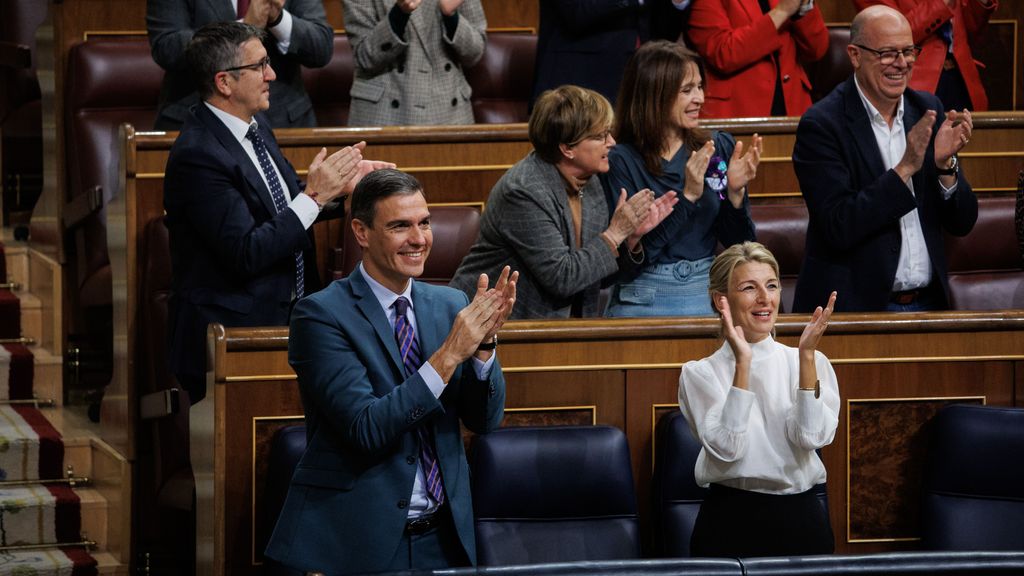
point(421, 524)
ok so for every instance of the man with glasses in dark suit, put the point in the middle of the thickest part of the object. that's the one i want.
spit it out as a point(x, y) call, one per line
point(877, 166)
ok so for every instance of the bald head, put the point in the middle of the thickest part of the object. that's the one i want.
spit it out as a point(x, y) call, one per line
point(869, 20)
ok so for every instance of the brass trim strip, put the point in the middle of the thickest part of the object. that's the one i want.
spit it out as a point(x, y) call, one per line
point(849, 467)
point(22, 340)
point(83, 543)
point(72, 481)
point(38, 402)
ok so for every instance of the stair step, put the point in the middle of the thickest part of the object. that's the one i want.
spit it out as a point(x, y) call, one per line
point(94, 516)
point(48, 372)
point(107, 564)
point(17, 264)
point(31, 315)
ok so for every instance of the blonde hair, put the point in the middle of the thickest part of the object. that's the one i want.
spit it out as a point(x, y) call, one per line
point(567, 115)
point(727, 261)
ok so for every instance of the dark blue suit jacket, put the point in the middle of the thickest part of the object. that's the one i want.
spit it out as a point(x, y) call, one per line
point(232, 254)
point(348, 501)
point(855, 204)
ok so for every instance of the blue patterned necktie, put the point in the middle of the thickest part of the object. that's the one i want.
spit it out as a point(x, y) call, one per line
point(409, 348)
point(277, 194)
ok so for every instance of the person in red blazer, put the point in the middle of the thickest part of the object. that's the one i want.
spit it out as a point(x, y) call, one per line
point(751, 48)
point(927, 17)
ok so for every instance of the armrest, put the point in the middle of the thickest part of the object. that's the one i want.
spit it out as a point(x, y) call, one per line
point(15, 55)
point(83, 206)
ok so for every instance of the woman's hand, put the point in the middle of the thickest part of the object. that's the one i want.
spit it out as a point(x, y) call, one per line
point(816, 327)
point(696, 167)
point(629, 214)
point(734, 335)
point(743, 169)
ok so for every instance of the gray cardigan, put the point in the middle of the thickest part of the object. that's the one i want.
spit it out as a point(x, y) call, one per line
point(528, 226)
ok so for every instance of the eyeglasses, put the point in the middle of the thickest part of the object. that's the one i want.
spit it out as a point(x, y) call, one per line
point(887, 57)
point(598, 137)
point(260, 66)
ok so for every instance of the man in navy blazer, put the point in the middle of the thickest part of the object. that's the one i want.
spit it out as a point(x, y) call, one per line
point(233, 252)
point(358, 501)
point(878, 170)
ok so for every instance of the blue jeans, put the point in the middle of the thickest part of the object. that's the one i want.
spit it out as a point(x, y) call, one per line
point(679, 289)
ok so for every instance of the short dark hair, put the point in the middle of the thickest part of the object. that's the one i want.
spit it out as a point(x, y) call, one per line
point(566, 115)
point(378, 185)
point(214, 48)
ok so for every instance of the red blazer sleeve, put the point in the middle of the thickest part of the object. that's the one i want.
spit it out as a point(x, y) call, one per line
point(922, 14)
point(811, 36)
point(727, 38)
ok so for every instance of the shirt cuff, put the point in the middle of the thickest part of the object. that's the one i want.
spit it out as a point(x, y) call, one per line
point(808, 409)
point(947, 193)
point(283, 32)
point(432, 379)
point(483, 369)
point(736, 412)
point(305, 208)
point(681, 4)
point(804, 8)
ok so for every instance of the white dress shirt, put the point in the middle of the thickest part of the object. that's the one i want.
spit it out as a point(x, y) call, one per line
point(762, 439)
point(420, 502)
point(914, 269)
point(303, 205)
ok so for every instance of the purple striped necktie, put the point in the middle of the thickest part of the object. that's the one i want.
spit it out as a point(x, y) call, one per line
point(409, 348)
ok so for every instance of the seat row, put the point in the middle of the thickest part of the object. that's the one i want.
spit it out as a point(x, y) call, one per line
point(544, 495)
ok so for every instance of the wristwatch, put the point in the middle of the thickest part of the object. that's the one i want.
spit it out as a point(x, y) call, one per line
point(489, 345)
point(954, 163)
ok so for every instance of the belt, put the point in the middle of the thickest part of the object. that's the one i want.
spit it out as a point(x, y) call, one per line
point(907, 296)
point(424, 523)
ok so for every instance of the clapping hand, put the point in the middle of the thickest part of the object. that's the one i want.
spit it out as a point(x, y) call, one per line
point(816, 327)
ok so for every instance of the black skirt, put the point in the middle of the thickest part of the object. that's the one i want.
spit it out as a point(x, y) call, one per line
point(744, 524)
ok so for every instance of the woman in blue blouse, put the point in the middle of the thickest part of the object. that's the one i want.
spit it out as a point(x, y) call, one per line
point(661, 147)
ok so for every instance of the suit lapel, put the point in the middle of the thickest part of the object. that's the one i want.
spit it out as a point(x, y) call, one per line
point(859, 125)
point(248, 168)
point(418, 21)
point(429, 330)
point(368, 305)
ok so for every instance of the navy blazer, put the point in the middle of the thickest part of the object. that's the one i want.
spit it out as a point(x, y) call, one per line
point(347, 505)
point(855, 204)
point(232, 254)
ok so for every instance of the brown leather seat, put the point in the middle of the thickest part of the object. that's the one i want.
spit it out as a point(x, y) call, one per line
point(329, 87)
point(985, 267)
point(782, 228)
point(834, 67)
point(109, 82)
point(502, 80)
point(455, 230)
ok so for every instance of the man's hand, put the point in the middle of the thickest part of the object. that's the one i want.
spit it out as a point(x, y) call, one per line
point(448, 7)
point(696, 167)
point(472, 324)
point(263, 12)
point(506, 289)
point(363, 168)
point(408, 6)
point(953, 135)
point(783, 11)
point(329, 176)
point(917, 145)
point(743, 169)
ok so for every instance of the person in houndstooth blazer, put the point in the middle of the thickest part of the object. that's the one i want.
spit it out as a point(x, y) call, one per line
point(409, 56)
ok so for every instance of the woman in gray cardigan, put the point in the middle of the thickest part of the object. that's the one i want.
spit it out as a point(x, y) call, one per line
point(547, 217)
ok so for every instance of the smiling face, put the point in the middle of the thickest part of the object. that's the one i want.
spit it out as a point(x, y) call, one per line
point(883, 85)
point(396, 247)
point(686, 109)
point(249, 89)
point(753, 296)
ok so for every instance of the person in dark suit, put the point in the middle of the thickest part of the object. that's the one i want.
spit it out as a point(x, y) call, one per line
point(878, 170)
point(588, 43)
point(297, 35)
point(388, 367)
point(238, 216)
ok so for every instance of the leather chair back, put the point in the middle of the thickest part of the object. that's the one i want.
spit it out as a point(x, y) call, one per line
point(985, 265)
point(974, 480)
point(554, 494)
point(676, 497)
point(455, 230)
point(834, 67)
point(782, 228)
point(502, 81)
point(286, 448)
point(329, 87)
